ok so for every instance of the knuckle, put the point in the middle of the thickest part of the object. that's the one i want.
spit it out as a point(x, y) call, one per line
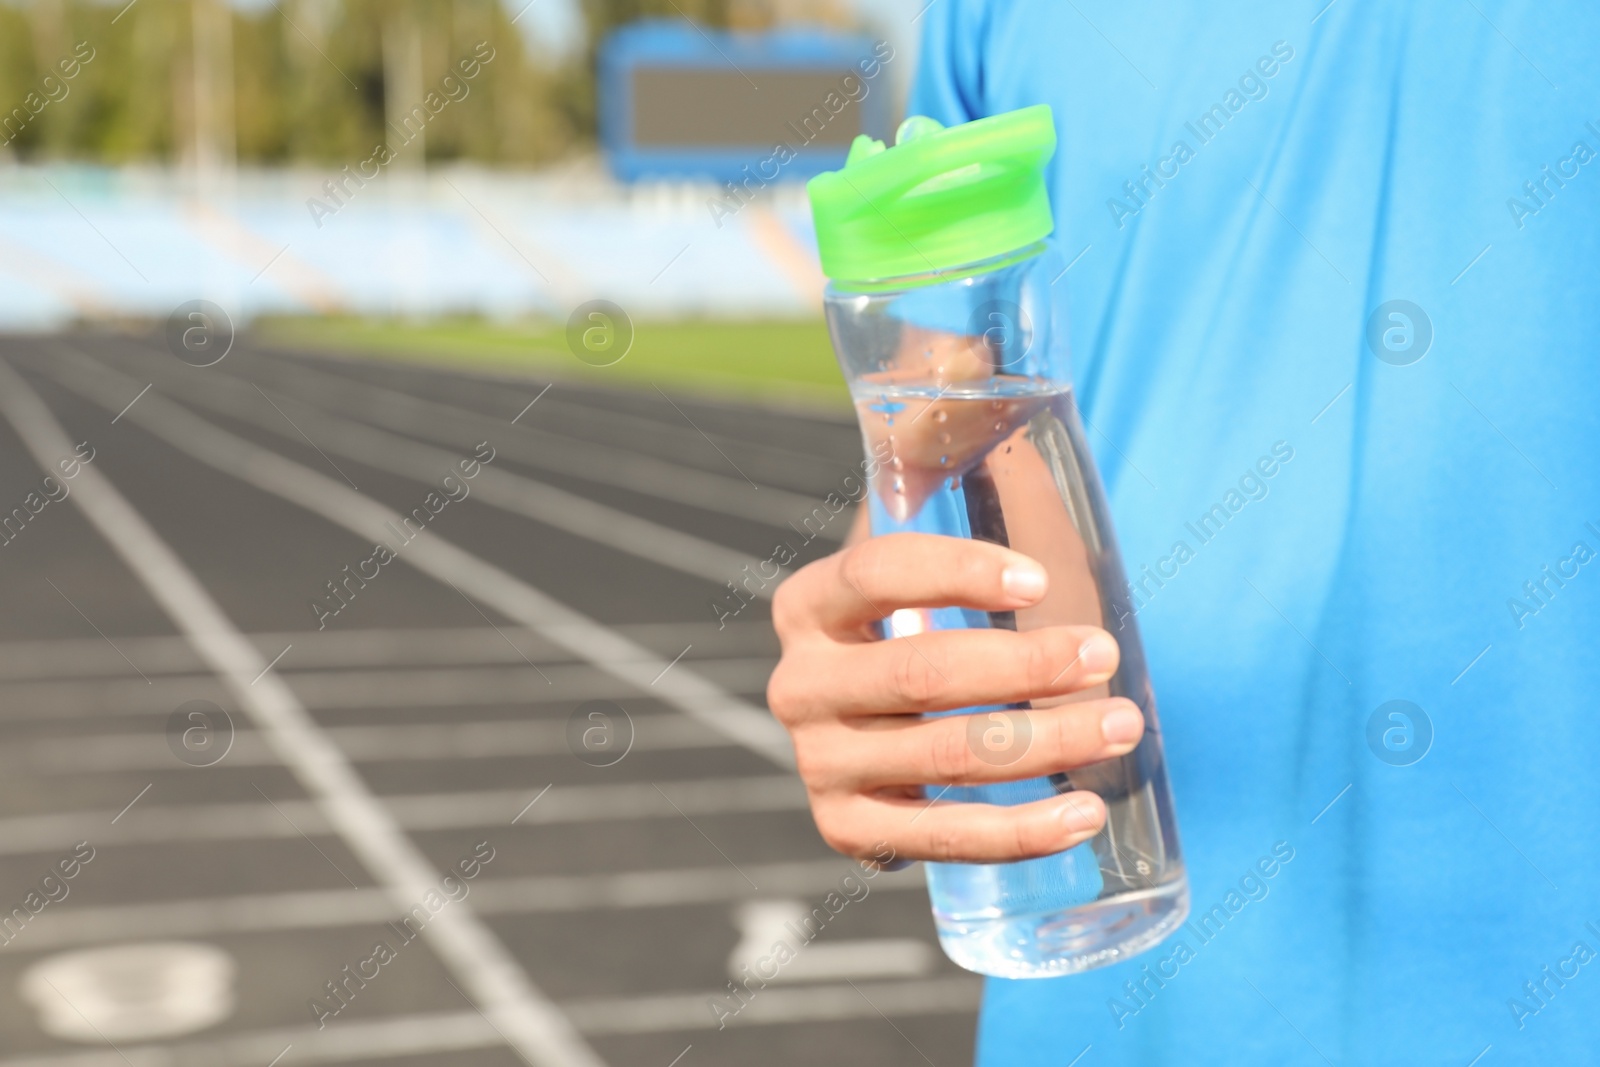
point(974, 566)
point(950, 756)
point(916, 680)
point(783, 692)
point(1031, 837)
point(1061, 738)
point(1041, 661)
point(785, 609)
point(790, 617)
point(816, 763)
point(1069, 741)
point(944, 842)
point(860, 564)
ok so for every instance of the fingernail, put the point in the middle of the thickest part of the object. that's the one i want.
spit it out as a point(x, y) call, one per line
point(1097, 654)
point(1022, 582)
point(1082, 810)
point(1122, 725)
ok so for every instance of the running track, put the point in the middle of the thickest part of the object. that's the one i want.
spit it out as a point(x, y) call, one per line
point(429, 715)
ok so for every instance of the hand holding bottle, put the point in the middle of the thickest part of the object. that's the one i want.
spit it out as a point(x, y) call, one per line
point(853, 701)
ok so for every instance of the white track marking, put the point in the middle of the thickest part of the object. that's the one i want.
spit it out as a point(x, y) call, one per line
point(431, 554)
point(246, 821)
point(764, 924)
point(356, 1040)
point(376, 690)
point(533, 1026)
point(770, 1006)
point(608, 464)
point(146, 750)
point(546, 504)
point(454, 646)
point(367, 1041)
point(448, 424)
point(666, 426)
point(139, 991)
point(330, 909)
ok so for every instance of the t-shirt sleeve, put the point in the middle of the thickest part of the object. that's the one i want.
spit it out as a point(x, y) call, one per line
point(949, 81)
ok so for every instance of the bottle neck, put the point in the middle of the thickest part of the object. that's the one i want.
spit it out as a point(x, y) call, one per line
point(935, 276)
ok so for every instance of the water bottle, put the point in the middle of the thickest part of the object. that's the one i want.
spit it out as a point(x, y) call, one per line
point(943, 310)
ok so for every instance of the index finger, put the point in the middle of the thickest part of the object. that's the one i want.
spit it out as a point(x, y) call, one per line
point(846, 592)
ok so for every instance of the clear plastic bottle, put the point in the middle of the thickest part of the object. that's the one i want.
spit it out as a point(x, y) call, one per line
point(960, 376)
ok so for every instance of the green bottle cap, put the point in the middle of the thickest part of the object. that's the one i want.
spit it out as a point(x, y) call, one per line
point(940, 198)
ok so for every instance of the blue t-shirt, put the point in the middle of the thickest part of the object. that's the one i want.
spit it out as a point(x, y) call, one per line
point(1358, 248)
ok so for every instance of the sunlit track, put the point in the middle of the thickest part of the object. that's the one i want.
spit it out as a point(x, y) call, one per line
point(371, 690)
point(501, 989)
point(365, 517)
point(457, 646)
point(638, 471)
point(108, 751)
point(444, 1033)
point(618, 889)
point(432, 811)
point(423, 463)
point(825, 431)
point(651, 421)
point(637, 891)
point(456, 1032)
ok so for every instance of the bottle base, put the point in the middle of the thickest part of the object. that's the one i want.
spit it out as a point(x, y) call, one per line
point(1049, 944)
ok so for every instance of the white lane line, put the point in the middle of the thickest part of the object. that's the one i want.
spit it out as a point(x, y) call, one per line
point(539, 1033)
point(574, 514)
point(585, 639)
point(618, 420)
point(773, 1006)
point(376, 690)
point(441, 1032)
point(329, 909)
point(763, 923)
point(353, 1041)
point(434, 742)
point(247, 820)
point(79, 657)
point(640, 471)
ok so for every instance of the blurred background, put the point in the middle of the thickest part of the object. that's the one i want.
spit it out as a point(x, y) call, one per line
point(406, 410)
point(319, 168)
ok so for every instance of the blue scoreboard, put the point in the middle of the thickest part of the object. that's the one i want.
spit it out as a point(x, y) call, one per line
point(681, 101)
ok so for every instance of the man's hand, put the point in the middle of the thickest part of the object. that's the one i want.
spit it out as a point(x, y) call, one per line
point(853, 702)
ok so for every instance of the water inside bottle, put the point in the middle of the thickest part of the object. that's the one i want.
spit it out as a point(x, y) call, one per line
point(1002, 459)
